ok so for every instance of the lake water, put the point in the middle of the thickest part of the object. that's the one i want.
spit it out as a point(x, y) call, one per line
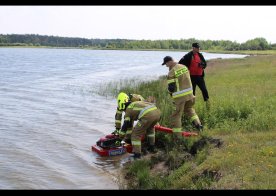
point(50, 117)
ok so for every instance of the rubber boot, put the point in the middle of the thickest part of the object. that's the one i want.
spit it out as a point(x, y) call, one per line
point(152, 149)
point(128, 141)
point(199, 128)
point(137, 156)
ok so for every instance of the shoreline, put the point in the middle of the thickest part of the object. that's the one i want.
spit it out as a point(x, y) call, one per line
point(244, 52)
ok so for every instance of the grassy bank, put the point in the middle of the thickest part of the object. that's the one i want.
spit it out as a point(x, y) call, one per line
point(238, 147)
point(247, 52)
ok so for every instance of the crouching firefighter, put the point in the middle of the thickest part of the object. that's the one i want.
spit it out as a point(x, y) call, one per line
point(181, 90)
point(122, 99)
point(148, 115)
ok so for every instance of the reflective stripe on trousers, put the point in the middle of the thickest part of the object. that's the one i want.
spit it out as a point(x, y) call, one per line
point(136, 143)
point(194, 117)
point(129, 131)
point(151, 135)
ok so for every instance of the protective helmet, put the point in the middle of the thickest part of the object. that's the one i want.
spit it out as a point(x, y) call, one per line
point(122, 99)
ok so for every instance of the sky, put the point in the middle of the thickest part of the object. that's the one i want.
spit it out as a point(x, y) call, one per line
point(235, 23)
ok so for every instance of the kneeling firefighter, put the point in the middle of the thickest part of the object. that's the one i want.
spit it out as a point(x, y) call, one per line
point(148, 115)
point(122, 99)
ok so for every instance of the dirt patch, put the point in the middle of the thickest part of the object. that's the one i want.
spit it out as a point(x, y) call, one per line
point(129, 176)
point(177, 158)
point(160, 168)
point(200, 144)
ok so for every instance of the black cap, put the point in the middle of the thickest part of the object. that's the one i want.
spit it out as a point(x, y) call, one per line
point(196, 45)
point(167, 59)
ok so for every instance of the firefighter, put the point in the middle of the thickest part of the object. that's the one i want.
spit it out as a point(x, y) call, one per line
point(181, 90)
point(147, 115)
point(122, 99)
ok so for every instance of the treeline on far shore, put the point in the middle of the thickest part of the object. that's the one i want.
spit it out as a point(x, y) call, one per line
point(182, 44)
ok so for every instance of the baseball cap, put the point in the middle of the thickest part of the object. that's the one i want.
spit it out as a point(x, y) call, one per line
point(196, 45)
point(167, 59)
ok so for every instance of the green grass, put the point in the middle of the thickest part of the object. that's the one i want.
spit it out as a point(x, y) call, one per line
point(249, 52)
point(242, 115)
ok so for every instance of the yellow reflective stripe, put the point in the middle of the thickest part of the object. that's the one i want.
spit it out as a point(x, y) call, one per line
point(177, 84)
point(129, 131)
point(171, 81)
point(183, 92)
point(136, 143)
point(194, 117)
point(127, 118)
point(147, 110)
point(119, 112)
point(117, 121)
point(136, 108)
point(151, 135)
point(177, 130)
point(122, 133)
point(131, 105)
point(181, 71)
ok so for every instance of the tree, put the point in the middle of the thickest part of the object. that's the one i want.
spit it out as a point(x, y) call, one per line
point(183, 44)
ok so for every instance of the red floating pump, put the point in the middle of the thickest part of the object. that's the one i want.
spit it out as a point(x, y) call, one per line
point(110, 145)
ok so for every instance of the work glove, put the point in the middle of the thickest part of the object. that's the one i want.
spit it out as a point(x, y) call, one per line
point(121, 134)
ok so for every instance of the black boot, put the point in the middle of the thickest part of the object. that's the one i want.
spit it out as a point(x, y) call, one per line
point(128, 141)
point(152, 149)
point(199, 128)
point(137, 156)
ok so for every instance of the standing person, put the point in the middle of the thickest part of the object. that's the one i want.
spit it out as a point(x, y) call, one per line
point(148, 115)
point(196, 64)
point(122, 99)
point(180, 88)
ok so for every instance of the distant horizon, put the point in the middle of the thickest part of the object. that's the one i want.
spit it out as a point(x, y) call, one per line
point(233, 23)
point(133, 39)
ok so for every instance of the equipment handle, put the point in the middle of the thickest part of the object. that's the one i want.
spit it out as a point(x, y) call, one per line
point(169, 130)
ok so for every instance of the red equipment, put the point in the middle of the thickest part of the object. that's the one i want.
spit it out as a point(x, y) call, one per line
point(110, 145)
point(169, 130)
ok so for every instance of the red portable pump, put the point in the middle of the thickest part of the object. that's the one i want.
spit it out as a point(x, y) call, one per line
point(110, 145)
